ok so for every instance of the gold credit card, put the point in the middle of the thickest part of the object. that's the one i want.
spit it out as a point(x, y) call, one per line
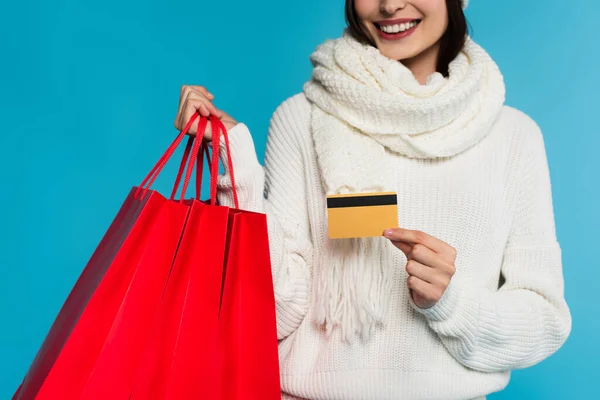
point(361, 214)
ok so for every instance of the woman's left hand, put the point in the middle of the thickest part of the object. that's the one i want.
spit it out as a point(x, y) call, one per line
point(430, 264)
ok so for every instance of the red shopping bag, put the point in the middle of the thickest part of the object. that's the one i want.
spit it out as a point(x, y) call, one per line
point(247, 336)
point(93, 348)
point(179, 352)
point(247, 325)
point(199, 349)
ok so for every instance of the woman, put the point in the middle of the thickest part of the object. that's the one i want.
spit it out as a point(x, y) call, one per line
point(470, 287)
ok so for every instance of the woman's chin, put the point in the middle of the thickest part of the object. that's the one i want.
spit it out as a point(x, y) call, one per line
point(398, 54)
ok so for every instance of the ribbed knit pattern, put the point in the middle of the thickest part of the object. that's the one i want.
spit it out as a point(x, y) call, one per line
point(492, 202)
point(367, 110)
point(378, 97)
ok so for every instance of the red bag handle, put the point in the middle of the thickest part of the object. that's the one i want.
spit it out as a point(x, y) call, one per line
point(184, 161)
point(201, 149)
point(194, 158)
point(189, 148)
point(218, 128)
point(200, 167)
point(230, 162)
point(195, 149)
point(151, 177)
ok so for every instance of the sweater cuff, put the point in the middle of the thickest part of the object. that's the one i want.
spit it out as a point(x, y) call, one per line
point(243, 155)
point(446, 307)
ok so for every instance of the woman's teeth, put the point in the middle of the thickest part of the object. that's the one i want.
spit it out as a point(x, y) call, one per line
point(398, 27)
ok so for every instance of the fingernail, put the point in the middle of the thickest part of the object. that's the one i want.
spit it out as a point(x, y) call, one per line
point(211, 95)
point(388, 232)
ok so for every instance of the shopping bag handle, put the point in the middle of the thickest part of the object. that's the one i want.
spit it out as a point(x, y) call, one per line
point(184, 161)
point(199, 149)
point(199, 160)
point(151, 177)
point(200, 166)
point(195, 158)
point(195, 150)
point(217, 129)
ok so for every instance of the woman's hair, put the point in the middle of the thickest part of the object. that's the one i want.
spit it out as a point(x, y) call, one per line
point(451, 42)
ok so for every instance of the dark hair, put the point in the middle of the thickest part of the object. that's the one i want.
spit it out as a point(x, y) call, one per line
point(451, 42)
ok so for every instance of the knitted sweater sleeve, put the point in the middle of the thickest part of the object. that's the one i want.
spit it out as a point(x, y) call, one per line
point(527, 319)
point(278, 190)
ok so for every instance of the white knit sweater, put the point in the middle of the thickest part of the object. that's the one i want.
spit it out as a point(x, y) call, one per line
point(504, 308)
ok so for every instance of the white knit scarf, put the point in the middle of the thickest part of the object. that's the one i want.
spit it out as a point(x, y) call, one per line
point(366, 110)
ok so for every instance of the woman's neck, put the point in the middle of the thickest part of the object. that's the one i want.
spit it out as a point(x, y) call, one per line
point(423, 64)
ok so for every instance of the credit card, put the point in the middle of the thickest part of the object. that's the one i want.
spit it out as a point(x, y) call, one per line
point(361, 214)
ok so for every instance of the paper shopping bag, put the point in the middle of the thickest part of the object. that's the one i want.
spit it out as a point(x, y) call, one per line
point(179, 358)
point(247, 324)
point(93, 348)
point(247, 337)
point(215, 332)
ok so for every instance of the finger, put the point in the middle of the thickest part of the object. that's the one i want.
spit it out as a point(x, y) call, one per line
point(194, 105)
point(213, 110)
point(183, 89)
point(181, 115)
point(425, 256)
point(427, 291)
point(416, 237)
point(204, 91)
point(183, 96)
point(196, 95)
point(191, 109)
point(428, 257)
point(405, 247)
point(193, 98)
point(180, 108)
point(427, 274)
point(203, 109)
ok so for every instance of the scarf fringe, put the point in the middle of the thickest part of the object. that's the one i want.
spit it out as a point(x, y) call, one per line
point(367, 110)
point(353, 287)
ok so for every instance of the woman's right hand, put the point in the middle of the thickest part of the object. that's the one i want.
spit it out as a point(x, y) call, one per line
point(194, 99)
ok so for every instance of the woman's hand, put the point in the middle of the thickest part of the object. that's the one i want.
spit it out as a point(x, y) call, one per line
point(430, 264)
point(197, 99)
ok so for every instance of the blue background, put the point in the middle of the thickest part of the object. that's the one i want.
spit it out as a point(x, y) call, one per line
point(89, 91)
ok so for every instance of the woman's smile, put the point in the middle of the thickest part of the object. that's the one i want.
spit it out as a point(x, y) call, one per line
point(396, 29)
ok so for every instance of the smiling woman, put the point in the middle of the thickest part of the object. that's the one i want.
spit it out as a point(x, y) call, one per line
point(437, 29)
point(470, 286)
point(108, 103)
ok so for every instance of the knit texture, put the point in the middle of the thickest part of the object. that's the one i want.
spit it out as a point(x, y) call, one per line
point(491, 202)
point(377, 99)
point(364, 100)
